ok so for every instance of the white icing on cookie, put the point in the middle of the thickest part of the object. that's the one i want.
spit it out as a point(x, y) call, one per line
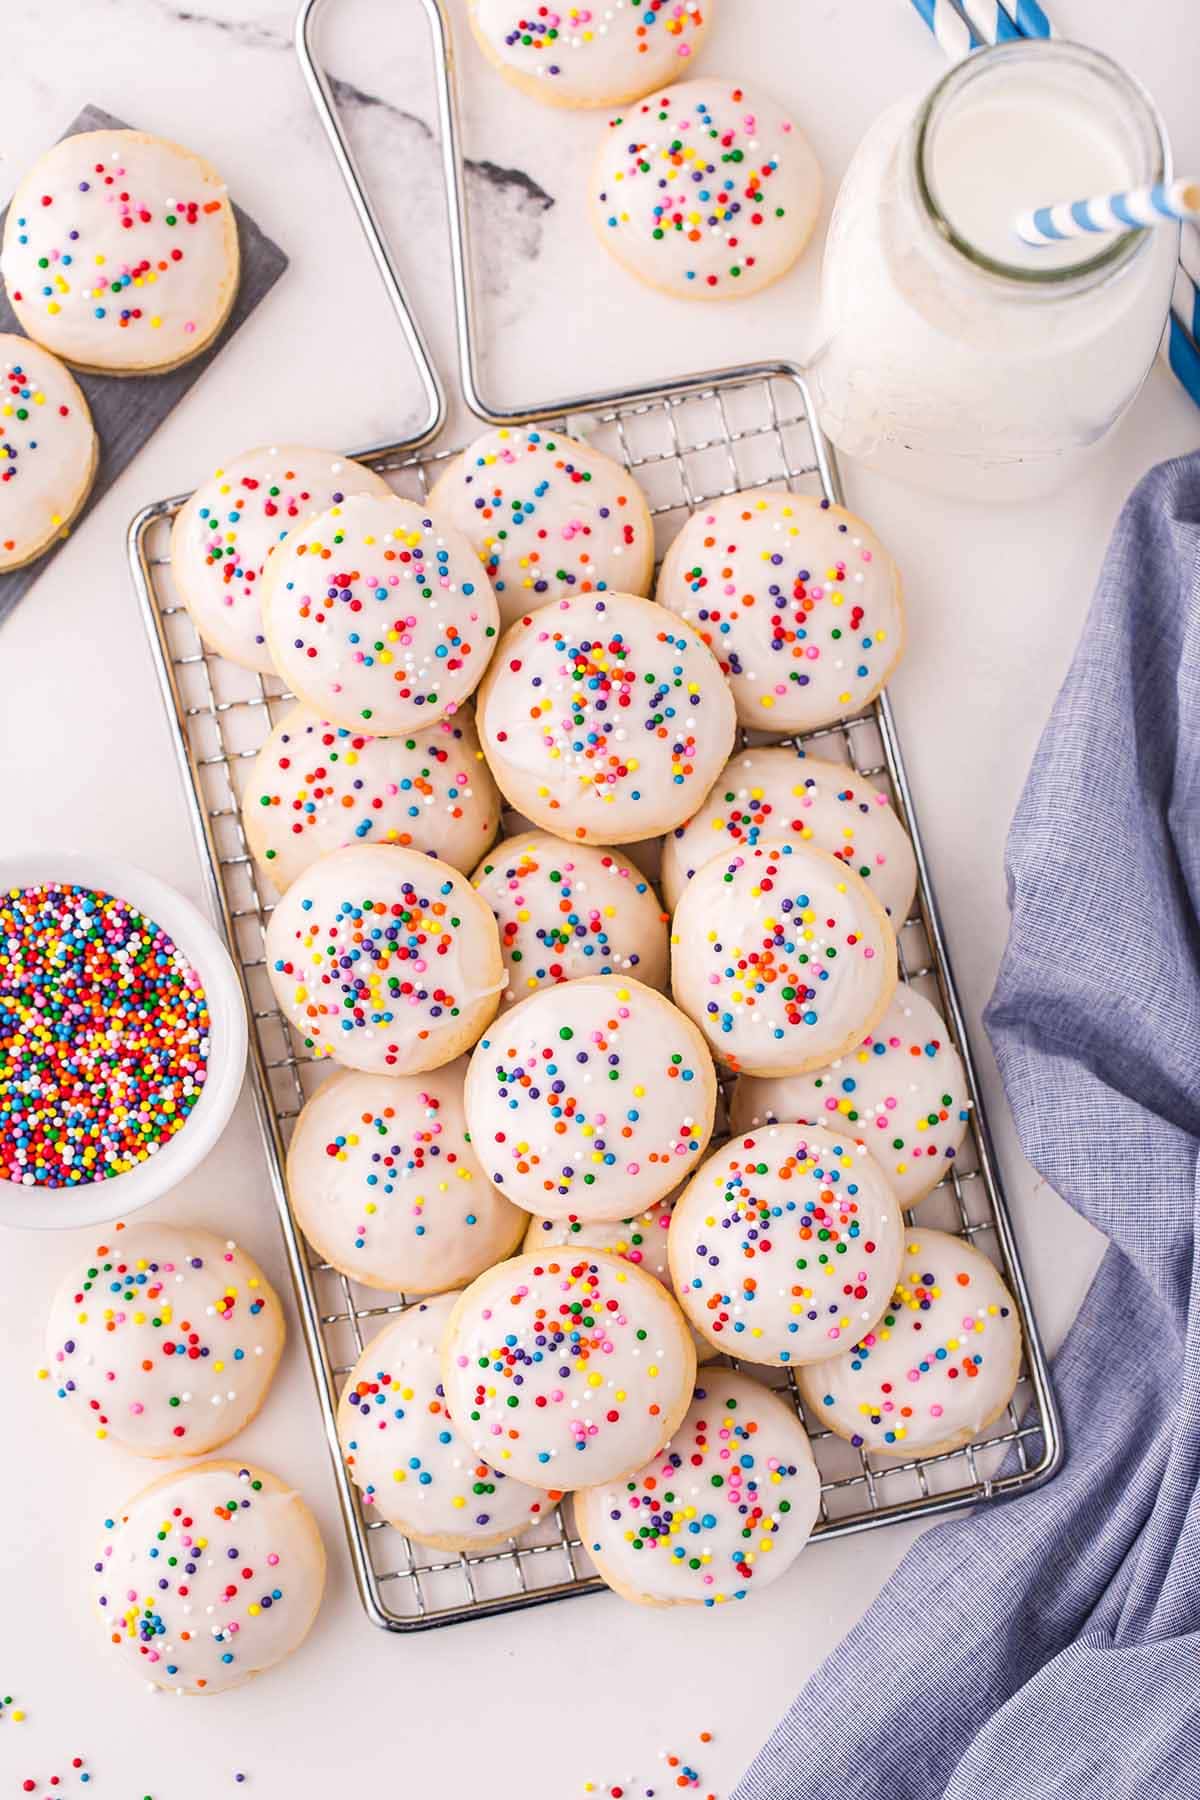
point(605, 719)
point(592, 1099)
point(940, 1365)
point(641, 1241)
point(720, 1513)
point(903, 1091)
point(209, 1576)
point(772, 795)
point(705, 190)
point(379, 616)
point(222, 538)
point(783, 958)
point(785, 1245)
point(316, 787)
point(571, 1368)
point(598, 55)
point(384, 1183)
point(566, 910)
point(385, 960)
point(797, 599)
point(165, 1340)
point(47, 450)
point(412, 1469)
point(549, 517)
point(121, 252)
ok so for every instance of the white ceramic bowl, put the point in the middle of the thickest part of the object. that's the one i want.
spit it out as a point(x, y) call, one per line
point(99, 1202)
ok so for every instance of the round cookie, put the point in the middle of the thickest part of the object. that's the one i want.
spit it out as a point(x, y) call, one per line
point(48, 451)
point(384, 1184)
point(385, 960)
point(599, 55)
point(316, 787)
point(548, 516)
point(209, 1576)
point(779, 793)
point(605, 720)
point(641, 1241)
point(940, 1366)
point(591, 1100)
point(705, 191)
point(785, 1246)
point(410, 1467)
point(720, 1513)
point(223, 536)
point(798, 600)
point(566, 910)
point(783, 957)
point(903, 1090)
point(378, 616)
point(573, 1368)
point(165, 1340)
point(121, 252)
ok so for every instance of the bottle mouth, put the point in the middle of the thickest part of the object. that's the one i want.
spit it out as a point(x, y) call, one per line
point(1133, 115)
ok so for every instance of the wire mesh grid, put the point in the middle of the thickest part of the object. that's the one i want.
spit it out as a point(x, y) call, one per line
point(685, 450)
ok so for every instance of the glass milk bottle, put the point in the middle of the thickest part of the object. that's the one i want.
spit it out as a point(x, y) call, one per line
point(951, 354)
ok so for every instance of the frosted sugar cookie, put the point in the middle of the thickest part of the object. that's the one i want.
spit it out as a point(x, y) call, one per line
point(720, 1513)
point(605, 719)
point(209, 1576)
point(165, 1340)
point(47, 451)
point(903, 1091)
point(591, 1100)
point(222, 538)
point(775, 794)
point(599, 55)
point(785, 1245)
point(705, 190)
point(798, 600)
point(641, 1241)
point(783, 957)
point(385, 960)
point(939, 1367)
point(385, 1185)
point(548, 516)
point(378, 616)
point(566, 910)
point(121, 252)
point(316, 787)
point(571, 1368)
point(411, 1468)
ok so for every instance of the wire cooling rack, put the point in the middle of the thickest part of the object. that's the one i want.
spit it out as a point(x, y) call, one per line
point(687, 443)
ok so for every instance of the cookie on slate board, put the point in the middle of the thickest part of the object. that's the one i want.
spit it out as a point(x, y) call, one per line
point(48, 451)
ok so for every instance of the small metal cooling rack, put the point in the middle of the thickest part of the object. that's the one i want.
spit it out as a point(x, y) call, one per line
point(687, 442)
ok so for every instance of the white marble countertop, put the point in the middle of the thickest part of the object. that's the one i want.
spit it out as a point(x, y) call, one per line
point(594, 1689)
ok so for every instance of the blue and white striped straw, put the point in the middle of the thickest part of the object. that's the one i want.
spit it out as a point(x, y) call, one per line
point(948, 27)
point(1127, 211)
point(1031, 21)
point(1184, 357)
point(990, 22)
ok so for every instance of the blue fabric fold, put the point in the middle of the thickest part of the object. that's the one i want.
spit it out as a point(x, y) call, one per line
point(1049, 1646)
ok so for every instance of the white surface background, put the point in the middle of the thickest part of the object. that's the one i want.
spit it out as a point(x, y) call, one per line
point(592, 1689)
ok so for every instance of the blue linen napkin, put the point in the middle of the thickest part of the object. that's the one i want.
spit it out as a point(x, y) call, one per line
point(1049, 1646)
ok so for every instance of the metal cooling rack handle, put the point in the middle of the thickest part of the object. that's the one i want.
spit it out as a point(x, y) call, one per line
point(322, 98)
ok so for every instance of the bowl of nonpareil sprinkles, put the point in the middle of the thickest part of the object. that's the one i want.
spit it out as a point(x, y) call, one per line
point(122, 1039)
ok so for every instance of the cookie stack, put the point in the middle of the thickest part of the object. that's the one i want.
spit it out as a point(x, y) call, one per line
point(519, 1137)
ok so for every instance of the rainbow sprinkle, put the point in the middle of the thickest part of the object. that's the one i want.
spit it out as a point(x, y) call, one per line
point(104, 1036)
